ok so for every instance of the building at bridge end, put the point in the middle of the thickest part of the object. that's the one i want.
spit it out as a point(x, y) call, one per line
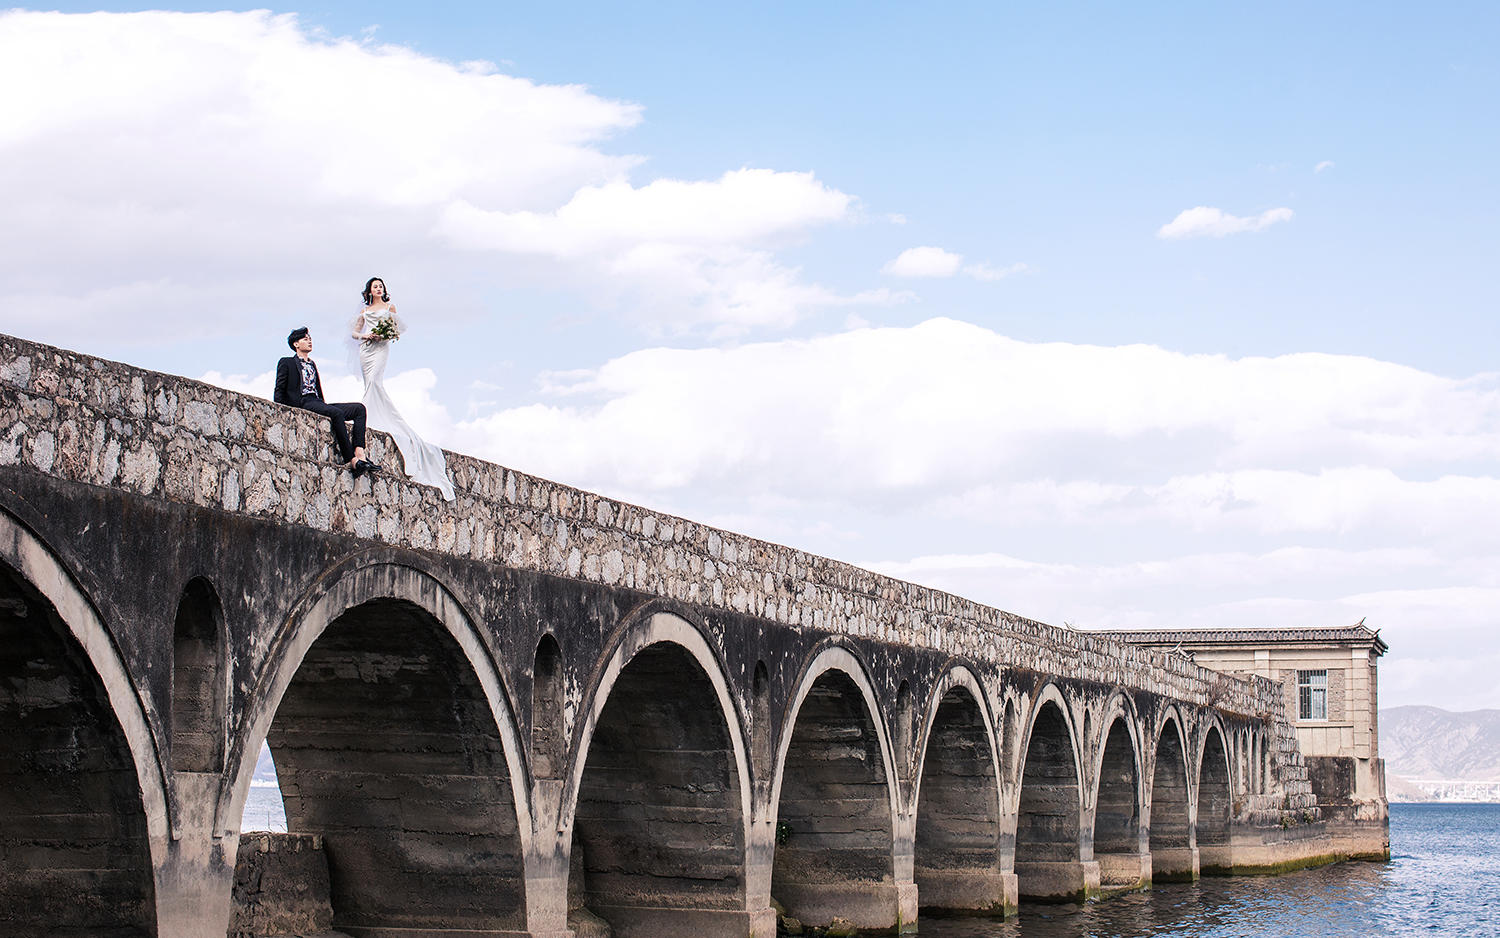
point(1328, 679)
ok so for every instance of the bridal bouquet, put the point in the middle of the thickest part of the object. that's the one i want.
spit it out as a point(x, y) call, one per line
point(385, 330)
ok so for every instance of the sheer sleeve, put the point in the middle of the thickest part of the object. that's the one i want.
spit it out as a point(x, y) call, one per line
point(357, 325)
point(396, 318)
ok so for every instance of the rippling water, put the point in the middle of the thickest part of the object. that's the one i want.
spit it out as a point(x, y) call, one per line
point(1443, 880)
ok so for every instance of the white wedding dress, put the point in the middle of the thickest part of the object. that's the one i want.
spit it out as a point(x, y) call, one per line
point(424, 461)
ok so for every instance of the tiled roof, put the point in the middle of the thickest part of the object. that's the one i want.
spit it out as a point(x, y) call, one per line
point(1356, 633)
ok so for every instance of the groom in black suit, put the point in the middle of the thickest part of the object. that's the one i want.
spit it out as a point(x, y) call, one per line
point(298, 384)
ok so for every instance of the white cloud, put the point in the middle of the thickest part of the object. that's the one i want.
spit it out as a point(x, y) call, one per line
point(986, 272)
point(159, 165)
point(928, 261)
point(746, 205)
point(1206, 222)
point(1325, 164)
point(1335, 502)
point(691, 244)
point(1435, 629)
point(959, 412)
point(261, 385)
point(924, 261)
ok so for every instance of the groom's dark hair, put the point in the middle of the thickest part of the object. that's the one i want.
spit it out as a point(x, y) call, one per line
point(297, 333)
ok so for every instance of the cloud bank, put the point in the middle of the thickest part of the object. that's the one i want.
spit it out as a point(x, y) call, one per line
point(1206, 222)
point(194, 170)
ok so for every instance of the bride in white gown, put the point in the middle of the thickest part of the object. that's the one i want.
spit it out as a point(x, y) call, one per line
point(424, 461)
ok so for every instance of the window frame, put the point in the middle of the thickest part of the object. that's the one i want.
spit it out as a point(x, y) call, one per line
point(1312, 695)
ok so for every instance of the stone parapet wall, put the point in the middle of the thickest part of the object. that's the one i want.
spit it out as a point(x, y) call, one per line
point(93, 421)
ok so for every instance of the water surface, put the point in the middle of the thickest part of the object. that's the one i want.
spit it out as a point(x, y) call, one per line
point(1443, 880)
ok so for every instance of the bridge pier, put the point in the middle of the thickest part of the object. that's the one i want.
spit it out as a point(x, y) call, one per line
point(668, 922)
point(880, 905)
point(1058, 880)
point(195, 884)
point(1213, 857)
point(963, 888)
point(546, 863)
point(1119, 871)
point(1174, 864)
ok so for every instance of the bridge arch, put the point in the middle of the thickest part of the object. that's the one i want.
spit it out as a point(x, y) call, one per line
point(109, 773)
point(1049, 809)
point(200, 679)
point(1119, 795)
point(1171, 802)
point(958, 806)
point(548, 736)
point(659, 803)
point(835, 792)
point(1010, 741)
point(1215, 798)
point(384, 708)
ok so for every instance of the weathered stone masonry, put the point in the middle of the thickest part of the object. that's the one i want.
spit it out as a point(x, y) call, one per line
point(498, 711)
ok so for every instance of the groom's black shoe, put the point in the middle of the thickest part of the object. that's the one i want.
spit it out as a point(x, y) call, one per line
point(358, 468)
point(364, 465)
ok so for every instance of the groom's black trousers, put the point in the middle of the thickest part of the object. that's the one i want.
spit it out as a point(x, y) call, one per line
point(338, 415)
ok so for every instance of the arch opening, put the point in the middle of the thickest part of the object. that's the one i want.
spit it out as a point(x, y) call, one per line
point(760, 722)
point(902, 738)
point(386, 747)
point(957, 861)
point(834, 825)
point(658, 827)
point(1010, 736)
point(1214, 803)
point(1170, 839)
point(198, 680)
point(72, 821)
point(1117, 812)
point(547, 733)
point(1255, 763)
point(1048, 825)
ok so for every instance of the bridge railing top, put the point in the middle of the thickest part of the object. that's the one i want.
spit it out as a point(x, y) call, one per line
point(90, 420)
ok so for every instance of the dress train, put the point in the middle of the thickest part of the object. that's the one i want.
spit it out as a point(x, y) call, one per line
point(424, 461)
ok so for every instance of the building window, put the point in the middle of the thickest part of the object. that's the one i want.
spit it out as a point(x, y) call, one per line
point(1312, 695)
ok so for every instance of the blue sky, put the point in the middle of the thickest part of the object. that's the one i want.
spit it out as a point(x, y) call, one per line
point(1118, 316)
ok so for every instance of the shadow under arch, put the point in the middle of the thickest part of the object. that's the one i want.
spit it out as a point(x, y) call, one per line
point(1118, 846)
point(1049, 810)
point(394, 739)
point(199, 680)
point(836, 796)
point(1170, 824)
point(956, 845)
point(548, 739)
point(75, 740)
point(658, 794)
point(1215, 801)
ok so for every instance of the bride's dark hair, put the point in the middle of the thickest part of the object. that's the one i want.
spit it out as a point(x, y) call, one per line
point(387, 293)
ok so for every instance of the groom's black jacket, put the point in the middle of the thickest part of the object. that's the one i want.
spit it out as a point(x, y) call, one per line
point(289, 382)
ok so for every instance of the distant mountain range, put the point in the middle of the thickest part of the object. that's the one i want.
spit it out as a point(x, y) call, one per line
point(1433, 754)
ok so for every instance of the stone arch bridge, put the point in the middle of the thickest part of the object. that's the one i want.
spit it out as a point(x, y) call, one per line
point(534, 707)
